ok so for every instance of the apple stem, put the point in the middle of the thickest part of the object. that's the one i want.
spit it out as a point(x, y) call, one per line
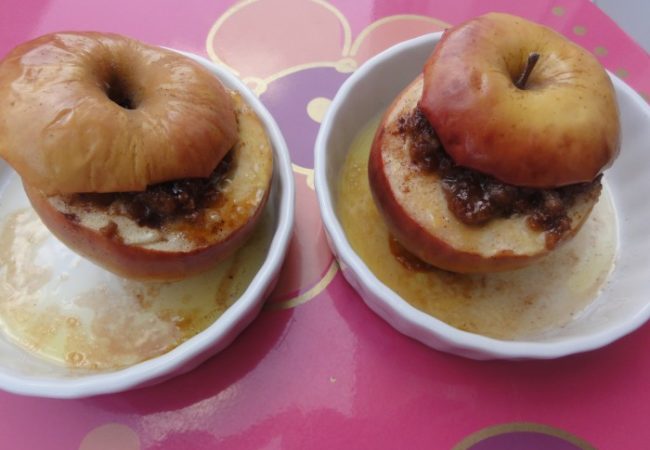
point(530, 65)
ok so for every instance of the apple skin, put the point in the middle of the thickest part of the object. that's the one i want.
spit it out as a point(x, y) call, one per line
point(562, 128)
point(247, 193)
point(415, 210)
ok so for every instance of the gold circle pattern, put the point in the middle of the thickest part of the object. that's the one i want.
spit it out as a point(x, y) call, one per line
point(600, 51)
point(558, 10)
point(485, 433)
point(580, 30)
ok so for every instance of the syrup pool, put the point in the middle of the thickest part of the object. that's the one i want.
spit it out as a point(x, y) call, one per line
point(61, 307)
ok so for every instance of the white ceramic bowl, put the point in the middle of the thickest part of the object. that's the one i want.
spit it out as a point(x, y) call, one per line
point(24, 373)
point(622, 305)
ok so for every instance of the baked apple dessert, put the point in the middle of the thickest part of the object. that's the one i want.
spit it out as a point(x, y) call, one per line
point(135, 156)
point(493, 157)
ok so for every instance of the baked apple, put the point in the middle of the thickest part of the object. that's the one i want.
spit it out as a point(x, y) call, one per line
point(134, 156)
point(493, 157)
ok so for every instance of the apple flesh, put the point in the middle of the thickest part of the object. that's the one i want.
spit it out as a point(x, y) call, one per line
point(180, 249)
point(561, 128)
point(414, 207)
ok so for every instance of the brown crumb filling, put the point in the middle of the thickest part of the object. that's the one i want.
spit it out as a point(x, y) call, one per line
point(161, 203)
point(475, 198)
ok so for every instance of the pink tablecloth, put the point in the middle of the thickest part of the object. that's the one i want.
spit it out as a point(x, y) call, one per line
point(317, 369)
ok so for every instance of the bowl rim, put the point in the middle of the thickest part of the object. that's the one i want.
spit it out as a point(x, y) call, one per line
point(238, 315)
point(401, 314)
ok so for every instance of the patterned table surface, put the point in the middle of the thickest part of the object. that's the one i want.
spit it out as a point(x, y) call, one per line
point(317, 369)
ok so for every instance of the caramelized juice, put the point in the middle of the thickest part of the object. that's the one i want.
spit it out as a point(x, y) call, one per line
point(63, 308)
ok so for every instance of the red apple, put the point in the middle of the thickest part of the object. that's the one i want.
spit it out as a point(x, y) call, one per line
point(558, 127)
point(414, 207)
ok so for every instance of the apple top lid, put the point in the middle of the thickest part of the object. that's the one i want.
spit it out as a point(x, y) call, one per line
point(539, 121)
point(93, 112)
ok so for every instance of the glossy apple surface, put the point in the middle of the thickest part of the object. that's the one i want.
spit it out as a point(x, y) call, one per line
point(561, 128)
point(414, 207)
point(180, 249)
